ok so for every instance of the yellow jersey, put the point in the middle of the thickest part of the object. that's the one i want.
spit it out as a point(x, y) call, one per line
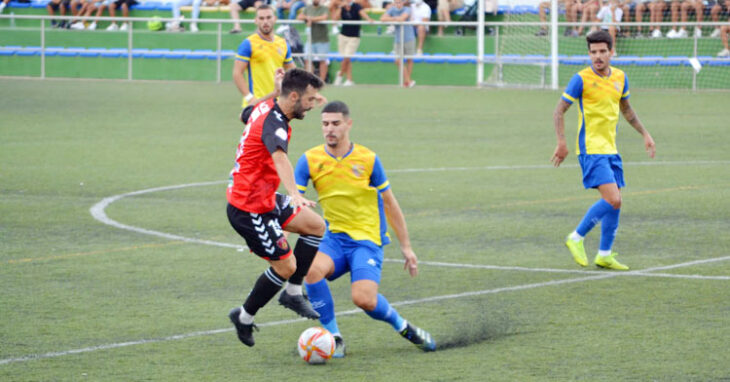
point(263, 58)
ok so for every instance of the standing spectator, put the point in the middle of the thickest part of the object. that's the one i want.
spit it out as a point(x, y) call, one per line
point(259, 55)
point(445, 7)
point(715, 15)
point(683, 7)
point(292, 5)
point(420, 12)
point(349, 38)
point(571, 16)
point(609, 13)
point(239, 6)
point(313, 15)
point(124, 5)
point(407, 46)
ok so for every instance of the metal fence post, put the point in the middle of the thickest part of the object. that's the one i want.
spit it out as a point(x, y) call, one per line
point(43, 48)
point(129, 51)
point(218, 53)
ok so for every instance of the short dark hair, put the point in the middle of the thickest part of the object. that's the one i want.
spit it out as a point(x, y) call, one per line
point(598, 37)
point(263, 7)
point(297, 80)
point(336, 107)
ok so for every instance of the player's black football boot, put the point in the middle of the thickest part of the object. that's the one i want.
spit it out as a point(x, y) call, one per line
point(419, 337)
point(245, 332)
point(339, 348)
point(299, 304)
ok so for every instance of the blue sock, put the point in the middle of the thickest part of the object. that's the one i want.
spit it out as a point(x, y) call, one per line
point(609, 226)
point(593, 216)
point(384, 312)
point(321, 299)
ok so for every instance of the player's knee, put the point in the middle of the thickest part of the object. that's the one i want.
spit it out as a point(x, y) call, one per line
point(285, 269)
point(365, 301)
point(615, 202)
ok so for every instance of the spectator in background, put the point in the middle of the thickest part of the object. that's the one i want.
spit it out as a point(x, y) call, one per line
point(588, 10)
point(291, 5)
point(715, 15)
point(349, 37)
point(176, 15)
point(724, 31)
point(445, 7)
point(88, 8)
point(124, 5)
point(609, 13)
point(639, 7)
point(656, 15)
point(236, 7)
point(3, 4)
point(571, 16)
point(399, 13)
point(683, 7)
point(320, 43)
point(58, 5)
point(420, 11)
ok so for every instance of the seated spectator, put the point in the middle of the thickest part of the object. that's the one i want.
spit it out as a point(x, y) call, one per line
point(445, 7)
point(400, 13)
point(724, 32)
point(125, 5)
point(289, 5)
point(420, 11)
point(236, 7)
point(58, 5)
point(656, 15)
point(609, 13)
point(3, 4)
point(588, 10)
point(176, 15)
point(715, 11)
point(88, 8)
point(639, 7)
point(313, 15)
point(684, 7)
point(571, 16)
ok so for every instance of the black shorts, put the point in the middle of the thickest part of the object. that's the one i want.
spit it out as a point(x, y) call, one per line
point(264, 233)
point(129, 3)
point(245, 4)
point(56, 5)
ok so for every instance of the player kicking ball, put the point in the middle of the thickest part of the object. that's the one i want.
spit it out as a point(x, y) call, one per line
point(600, 91)
point(356, 198)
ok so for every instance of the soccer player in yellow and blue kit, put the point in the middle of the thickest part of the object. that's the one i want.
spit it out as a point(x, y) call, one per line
point(600, 91)
point(259, 55)
point(356, 199)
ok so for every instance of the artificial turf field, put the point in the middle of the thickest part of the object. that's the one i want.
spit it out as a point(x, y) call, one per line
point(83, 300)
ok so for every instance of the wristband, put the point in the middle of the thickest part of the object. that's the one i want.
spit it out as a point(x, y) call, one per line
point(248, 97)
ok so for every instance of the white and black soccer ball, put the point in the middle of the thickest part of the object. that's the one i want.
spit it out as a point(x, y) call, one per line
point(316, 345)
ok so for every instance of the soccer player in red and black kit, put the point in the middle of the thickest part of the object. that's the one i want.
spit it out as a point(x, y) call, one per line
point(260, 214)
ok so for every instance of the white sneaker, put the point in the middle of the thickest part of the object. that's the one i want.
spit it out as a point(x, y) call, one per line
point(113, 27)
point(656, 33)
point(124, 27)
point(338, 79)
point(724, 53)
point(698, 32)
point(348, 83)
point(682, 33)
point(672, 34)
point(335, 29)
point(79, 26)
point(419, 52)
point(92, 26)
point(412, 84)
point(715, 33)
point(194, 27)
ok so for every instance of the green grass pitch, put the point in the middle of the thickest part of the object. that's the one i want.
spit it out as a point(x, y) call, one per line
point(487, 214)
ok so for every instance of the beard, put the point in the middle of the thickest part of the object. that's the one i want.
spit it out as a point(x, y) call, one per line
point(299, 112)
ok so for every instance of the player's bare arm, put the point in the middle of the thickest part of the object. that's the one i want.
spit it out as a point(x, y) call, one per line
point(239, 68)
point(286, 174)
point(561, 151)
point(633, 120)
point(397, 220)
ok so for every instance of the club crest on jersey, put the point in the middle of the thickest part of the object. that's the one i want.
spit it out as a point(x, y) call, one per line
point(281, 243)
point(278, 50)
point(617, 86)
point(358, 170)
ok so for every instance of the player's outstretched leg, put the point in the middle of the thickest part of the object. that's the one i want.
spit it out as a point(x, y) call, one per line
point(266, 287)
point(384, 312)
point(419, 337)
point(321, 299)
point(292, 297)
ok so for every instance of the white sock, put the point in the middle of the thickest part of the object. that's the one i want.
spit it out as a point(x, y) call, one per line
point(575, 236)
point(604, 253)
point(293, 289)
point(403, 326)
point(245, 318)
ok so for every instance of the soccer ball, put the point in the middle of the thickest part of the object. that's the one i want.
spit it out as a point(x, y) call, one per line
point(316, 345)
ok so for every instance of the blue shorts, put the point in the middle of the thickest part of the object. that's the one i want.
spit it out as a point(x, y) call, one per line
point(601, 169)
point(362, 258)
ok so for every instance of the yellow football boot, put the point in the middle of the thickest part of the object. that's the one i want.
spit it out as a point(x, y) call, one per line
point(610, 262)
point(579, 253)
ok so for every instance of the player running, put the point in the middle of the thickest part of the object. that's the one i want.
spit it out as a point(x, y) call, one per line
point(356, 199)
point(601, 91)
point(259, 214)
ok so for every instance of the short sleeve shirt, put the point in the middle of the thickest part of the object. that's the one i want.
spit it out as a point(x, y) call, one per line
point(319, 30)
point(408, 34)
point(353, 14)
